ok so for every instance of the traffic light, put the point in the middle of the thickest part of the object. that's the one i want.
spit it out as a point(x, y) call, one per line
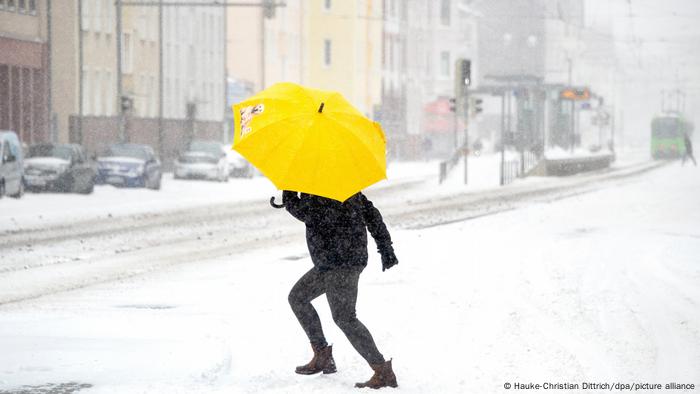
point(269, 8)
point(126, 103)
point(463, 76)
point(453, 104)
point(477, 105)
point(465, 72)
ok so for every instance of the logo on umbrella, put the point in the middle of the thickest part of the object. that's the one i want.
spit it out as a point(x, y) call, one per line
point(247, 114)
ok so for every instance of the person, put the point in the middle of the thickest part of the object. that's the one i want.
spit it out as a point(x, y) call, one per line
point(336, 235)
point(688, 150)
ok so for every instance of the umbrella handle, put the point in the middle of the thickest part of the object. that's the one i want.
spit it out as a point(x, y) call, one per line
point(274, 205)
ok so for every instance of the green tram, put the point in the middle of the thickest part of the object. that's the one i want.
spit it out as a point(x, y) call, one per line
point(667, 136)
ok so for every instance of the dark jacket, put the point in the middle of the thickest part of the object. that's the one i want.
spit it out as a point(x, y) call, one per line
point(336, 233)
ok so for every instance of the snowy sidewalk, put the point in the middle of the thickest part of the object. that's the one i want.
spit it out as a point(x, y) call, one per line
point(598, 287)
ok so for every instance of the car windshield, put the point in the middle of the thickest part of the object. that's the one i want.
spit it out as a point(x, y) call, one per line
point(134, 151)
point(58, 151)
point(211, 147)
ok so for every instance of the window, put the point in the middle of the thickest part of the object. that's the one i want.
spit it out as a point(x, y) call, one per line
point(445, 8)
point(97, 16)
point(327, 52)
point(327, 5)
point(109, 15)
point(127, 54)
point(97, 92)
point(32, 7)
point(22, 6)
point(11, 5)
point(428, 65)
point(2, 4)
point(154, 96)
point(87, 92)
point(445, 64)
point(85, 15)
point(109, 94)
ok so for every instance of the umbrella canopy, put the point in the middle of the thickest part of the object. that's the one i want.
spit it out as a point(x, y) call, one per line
point(310, 141)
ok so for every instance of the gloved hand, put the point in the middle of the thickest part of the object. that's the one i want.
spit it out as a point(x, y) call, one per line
point(388, 259)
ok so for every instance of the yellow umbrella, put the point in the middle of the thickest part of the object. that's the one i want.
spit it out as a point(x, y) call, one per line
point(310, 141)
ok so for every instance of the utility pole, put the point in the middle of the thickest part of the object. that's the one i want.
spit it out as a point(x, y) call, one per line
point(262, 50)
point(224, 64)
point(81, 77)
point(120, 107)
point(572, 137)
point(49, 104)
point(466, 137)
point(161, 151)
point(503, 142)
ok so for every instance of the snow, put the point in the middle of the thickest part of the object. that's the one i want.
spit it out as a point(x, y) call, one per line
point(601, 287)
point(39, 210)
point(560, 153)
point(120, 159)
point(47, 209)
point(46, 162)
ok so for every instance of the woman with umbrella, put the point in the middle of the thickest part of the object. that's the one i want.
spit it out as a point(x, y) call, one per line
point(315, 143)
point(336, 234)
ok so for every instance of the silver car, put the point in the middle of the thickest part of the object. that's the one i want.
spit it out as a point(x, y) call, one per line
point(203, 160)
point(11, 165)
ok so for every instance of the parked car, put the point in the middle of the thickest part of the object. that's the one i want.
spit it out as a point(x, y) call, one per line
point(129, 165)
point(238, 167)
point(203, 160)
point(61, 167)
point(11, 165)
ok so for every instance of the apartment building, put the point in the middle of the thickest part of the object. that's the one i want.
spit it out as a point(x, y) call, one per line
point(24, 65)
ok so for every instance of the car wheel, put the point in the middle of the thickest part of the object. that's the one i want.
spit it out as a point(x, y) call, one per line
point(88, 189)
point(154, 184)
point(20, 192)
point(69, 186)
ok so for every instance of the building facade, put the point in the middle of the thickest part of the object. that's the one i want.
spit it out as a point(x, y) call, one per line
point(193, 62)
point(342, 49)
point(172, 80)
point(422, 42)
point(24, 70)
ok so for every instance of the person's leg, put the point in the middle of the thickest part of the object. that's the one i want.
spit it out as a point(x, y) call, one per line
point(341, 291)
point(695, 163)
point(307, 288)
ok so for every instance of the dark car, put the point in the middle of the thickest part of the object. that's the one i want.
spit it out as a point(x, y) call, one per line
point(129, 165)
point(60, 167)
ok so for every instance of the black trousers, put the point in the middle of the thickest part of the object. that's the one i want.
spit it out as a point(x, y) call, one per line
point(340, 287)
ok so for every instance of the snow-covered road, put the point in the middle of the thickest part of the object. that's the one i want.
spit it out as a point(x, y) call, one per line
point(585, 279)
point(95, 249)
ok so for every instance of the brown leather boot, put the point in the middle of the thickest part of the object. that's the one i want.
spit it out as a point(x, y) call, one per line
point(383, 377)
point(321, 362)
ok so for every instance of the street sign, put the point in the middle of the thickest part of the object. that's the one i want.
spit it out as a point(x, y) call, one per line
point(575, 94)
